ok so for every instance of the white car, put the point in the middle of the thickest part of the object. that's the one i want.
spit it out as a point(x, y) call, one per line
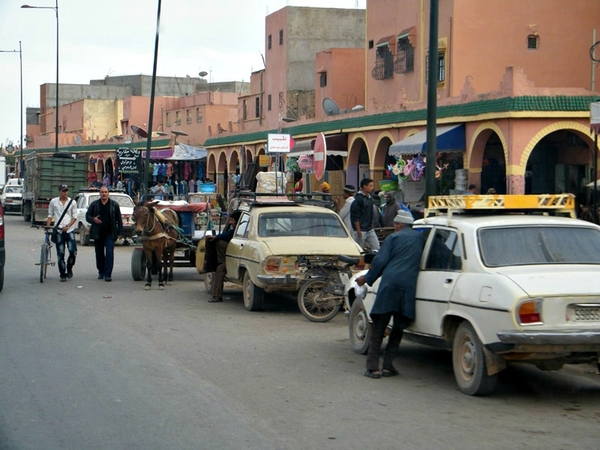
point(86, 197)
point(12, 197)
point(497, 285)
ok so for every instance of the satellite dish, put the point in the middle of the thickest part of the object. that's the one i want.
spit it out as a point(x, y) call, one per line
point(203, 73)
point(179, 133)
point(139, 131)
point(330, 107)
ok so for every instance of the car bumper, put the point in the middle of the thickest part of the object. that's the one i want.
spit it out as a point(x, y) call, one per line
point(550, 337)
point(284, 280)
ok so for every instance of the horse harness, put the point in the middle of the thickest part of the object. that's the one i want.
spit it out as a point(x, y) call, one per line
point(147, 230)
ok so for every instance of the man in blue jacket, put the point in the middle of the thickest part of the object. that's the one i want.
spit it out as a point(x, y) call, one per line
point(221, 243)
point(398, 264)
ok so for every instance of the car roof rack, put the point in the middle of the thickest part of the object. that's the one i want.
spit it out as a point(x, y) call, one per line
point(556, 204)
point(251, 198)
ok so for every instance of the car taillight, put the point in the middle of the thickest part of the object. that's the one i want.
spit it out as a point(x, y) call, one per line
point(272, 264)
point(530, 312)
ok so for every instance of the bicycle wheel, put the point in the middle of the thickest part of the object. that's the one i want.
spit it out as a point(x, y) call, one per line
point(317, 305)
point(43, 261)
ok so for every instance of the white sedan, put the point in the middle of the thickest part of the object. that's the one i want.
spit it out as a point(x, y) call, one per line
point(495, 287)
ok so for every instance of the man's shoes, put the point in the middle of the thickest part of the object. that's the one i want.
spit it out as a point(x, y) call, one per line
point(63, 278)
point(386, 373)
point(69, 272)
point(215, 299)
point(100, 276)
point(107, 279)
point(372, 374)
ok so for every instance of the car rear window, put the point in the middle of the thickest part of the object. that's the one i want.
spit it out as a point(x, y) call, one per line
point(516, 246)
point(294, 224)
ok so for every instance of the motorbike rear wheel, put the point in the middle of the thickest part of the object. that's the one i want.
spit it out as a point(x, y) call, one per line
point(317, 305)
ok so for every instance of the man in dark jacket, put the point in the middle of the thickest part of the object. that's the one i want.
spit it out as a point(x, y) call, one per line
point(221, 243)
point(398, 264)
point(361, 215)
point(104, 215)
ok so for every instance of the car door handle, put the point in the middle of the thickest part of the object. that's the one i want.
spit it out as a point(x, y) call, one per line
point(448, 280)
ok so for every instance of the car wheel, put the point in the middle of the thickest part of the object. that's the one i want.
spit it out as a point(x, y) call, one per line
point(253, 295)
point(315, 304)
point(27, 212)
point(360, 328)
point(138, 264)
point(84, 238)
point(209, 281)
point(468, 360)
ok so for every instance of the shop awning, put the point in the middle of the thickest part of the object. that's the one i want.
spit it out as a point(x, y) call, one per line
point(336, 146)
point(159, 154)
point(450, 138)
point(183, 152)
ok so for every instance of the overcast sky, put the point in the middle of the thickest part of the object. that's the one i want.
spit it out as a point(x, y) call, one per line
point(116, 37)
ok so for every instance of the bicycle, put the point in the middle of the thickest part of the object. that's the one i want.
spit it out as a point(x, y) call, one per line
point(45, 253)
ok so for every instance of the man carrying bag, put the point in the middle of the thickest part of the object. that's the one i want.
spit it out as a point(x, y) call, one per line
point(64, 212)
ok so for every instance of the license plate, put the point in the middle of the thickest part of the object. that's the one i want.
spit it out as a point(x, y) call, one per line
point(586, 315)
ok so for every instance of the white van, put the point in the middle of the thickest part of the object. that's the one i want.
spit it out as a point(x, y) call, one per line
point(14, 181)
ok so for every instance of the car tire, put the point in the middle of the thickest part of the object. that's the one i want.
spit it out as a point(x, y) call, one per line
point(468, 361)
point(209, 281)
point(254, 296)
point(27, 212)
point(84, 238)
point(360, 328)
point(138, 264)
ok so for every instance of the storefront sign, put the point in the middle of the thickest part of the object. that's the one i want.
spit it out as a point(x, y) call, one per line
point(279, 143)
point(129, 160)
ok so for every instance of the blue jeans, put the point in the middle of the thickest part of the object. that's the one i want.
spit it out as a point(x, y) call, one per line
point(105, 255)
point(68, 240)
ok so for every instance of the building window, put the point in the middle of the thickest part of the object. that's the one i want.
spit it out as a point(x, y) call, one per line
point(323, 79)
point(198, 115)
point(244, 110)
point(371, 44)
point(269, 42)
point(533, 42)
point(269, 102)
point(188, 116)
point(177, 117)
point(280, 37)
point(405, 57)
point(384, 63)
point(257, 107)
point(168, 119)
point(441, 67)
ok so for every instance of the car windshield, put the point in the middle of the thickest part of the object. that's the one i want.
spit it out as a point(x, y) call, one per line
point(294, 224)
point(123, 201)
point(13, 189)
point(532, 245)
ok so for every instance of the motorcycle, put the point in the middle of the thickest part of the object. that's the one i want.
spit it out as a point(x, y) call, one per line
point(321, 293)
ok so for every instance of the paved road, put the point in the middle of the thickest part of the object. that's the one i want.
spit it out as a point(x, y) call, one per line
point(94, 365)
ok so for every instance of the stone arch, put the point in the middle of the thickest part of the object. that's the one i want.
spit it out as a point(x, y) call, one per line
point(557, 126)
point(380, 156)
point(358, 155)
point(480, 136)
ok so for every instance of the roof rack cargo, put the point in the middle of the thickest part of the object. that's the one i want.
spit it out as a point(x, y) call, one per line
point(498, 204)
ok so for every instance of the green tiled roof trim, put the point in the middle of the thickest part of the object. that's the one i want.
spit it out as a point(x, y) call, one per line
point(102, 147)
point(501, 105)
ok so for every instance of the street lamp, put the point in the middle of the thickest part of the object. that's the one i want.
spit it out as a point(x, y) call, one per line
point(55, 8)
point(21, 165)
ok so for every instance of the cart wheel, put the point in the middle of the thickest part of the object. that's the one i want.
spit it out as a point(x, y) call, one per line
point(138, 264)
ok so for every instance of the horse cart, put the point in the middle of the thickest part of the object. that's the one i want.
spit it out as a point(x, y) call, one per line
point(185, 235)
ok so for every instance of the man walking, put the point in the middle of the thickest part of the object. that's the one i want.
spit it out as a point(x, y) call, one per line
point(348, 194)
point(64, 213)
point(361, 215)
point(397, 263)
point(390, 209)
point(104, 216)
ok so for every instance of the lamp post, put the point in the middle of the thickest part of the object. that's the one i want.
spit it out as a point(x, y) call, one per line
point(55, 8)
point(20, 52)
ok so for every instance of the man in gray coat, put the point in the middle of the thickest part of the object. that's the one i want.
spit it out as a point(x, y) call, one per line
point(398, 264)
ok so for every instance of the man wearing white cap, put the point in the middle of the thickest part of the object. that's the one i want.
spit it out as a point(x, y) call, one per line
point(63, 211)
point(397, 263)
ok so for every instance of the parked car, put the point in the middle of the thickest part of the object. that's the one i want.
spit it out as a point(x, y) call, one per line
point(12, 197)
point(496, 286)
point(271, 236)
point(86, 197)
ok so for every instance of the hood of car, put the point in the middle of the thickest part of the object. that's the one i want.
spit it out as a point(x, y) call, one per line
point(312, 246)
point(561, 281)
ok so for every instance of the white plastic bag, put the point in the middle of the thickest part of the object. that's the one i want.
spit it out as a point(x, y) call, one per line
point(360, 291)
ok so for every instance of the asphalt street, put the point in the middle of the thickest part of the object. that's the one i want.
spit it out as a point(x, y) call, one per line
point(89, 364)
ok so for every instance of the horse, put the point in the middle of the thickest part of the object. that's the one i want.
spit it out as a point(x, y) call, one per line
point(158, 232)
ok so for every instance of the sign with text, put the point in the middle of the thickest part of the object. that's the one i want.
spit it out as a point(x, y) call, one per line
point(279, 143)
point(129, 160)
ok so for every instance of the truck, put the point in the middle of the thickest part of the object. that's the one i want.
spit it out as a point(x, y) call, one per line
point(43, 175)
